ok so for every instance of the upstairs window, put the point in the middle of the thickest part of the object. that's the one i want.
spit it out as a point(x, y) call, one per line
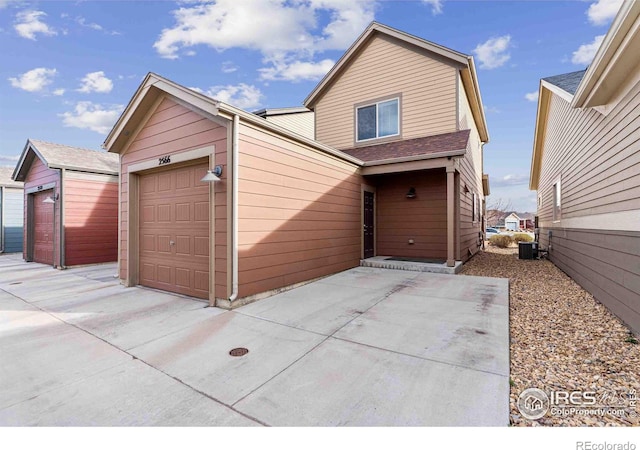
point(378, 120)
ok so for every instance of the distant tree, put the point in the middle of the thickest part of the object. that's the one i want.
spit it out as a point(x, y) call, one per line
point(496, 210)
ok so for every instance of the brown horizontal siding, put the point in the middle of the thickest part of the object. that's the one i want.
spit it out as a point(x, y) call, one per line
point(384, 67)
point(90, 221)
point(423, 219)
point(38, 175)
point(299, 213)
point(172, 129)
point(605, 263)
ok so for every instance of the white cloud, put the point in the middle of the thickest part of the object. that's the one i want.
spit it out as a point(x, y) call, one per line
point(5, 3)
point(83, 23)
point(296, 71)
point(29, 23)
point(602, 11)
point(293, 33)
point(436, 6)
point(511, 180)
point(242, 96)
point(493, 53)
point(58, 92)
point(96, 82)
point(34, 80)
point(9, 161)
point(532, 96)
point(92, 116)
point(585, 53)
point(94, 26)
point(491, 110)
point(229, 67)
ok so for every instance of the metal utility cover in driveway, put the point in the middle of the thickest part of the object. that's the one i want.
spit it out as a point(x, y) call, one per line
point(360, 348)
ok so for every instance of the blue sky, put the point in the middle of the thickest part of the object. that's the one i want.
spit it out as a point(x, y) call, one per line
point(70, 67)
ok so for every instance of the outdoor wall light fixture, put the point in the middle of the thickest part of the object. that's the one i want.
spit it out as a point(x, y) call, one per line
point(411, 193)
point(50, 199)
point(212, 175)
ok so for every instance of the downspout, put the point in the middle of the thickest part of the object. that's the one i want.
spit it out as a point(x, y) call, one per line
point(62, 249)
point(234, 210)
point(117, 275)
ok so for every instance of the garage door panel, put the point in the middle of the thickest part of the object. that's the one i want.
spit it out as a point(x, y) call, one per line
point(183, 212)
point(164, 213)
point(179, 231)
point(149, 214)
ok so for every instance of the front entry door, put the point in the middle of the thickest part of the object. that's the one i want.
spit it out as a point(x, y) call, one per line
point(368, 220)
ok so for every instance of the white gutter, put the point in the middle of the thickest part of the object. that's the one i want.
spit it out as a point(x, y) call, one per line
point(234, 209)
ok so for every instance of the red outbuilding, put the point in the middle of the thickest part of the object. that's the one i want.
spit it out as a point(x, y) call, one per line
point(70, 204)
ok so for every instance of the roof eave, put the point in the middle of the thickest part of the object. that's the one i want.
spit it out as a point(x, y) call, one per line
point(448, 154)
point(477, 107)
point(18, 174)
point(619, 44)
point(538, 136)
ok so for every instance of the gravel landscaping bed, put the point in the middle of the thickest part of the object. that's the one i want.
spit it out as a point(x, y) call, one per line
point(562, 339)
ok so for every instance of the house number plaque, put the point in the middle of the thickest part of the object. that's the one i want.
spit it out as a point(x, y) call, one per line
point(164, 160)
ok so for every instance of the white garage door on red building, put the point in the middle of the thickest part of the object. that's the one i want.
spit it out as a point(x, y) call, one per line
point(174, 230)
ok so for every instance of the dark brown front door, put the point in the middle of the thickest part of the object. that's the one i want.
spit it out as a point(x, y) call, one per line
point(369, 215)
point(43, 228)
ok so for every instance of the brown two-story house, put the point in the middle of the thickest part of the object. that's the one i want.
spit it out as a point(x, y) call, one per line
point(394, 169)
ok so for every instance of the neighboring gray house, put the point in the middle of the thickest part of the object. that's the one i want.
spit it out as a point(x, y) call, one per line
point(512, 222)
point(11, 215)
point(586, 170)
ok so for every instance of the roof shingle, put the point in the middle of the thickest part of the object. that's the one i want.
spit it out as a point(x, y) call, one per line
point(5, 178)
point(429, 147)
point(78, 158)
point(568, 82)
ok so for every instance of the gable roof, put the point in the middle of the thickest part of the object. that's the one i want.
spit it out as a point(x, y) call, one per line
point(58, 156)
point(613, 70)
point(438, 146)
point(154, 86)
point(5, 178)
point(568, 82)
point(468, 71)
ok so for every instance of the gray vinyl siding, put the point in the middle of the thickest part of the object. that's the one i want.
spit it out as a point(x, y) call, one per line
point(605, 263)
point(13, 219)
point(596, 157)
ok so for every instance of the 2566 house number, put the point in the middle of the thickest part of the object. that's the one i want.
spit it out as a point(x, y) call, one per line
point(164, 160)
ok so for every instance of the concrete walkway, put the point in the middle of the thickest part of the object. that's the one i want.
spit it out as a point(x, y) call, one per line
point(363, 347)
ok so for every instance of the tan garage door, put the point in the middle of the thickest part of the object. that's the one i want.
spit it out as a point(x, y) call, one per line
point(42, 228)
point(174, 230)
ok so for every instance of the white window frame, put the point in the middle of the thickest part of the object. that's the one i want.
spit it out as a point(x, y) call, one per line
point(359, 107)
point(557, 200)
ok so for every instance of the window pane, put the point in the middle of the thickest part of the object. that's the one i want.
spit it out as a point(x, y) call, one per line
point(367, 122)
point(388, 118)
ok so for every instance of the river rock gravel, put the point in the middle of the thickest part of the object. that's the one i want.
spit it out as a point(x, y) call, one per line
point(563, 340)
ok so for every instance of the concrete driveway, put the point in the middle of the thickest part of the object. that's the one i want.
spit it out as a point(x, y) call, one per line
point(363, 347)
